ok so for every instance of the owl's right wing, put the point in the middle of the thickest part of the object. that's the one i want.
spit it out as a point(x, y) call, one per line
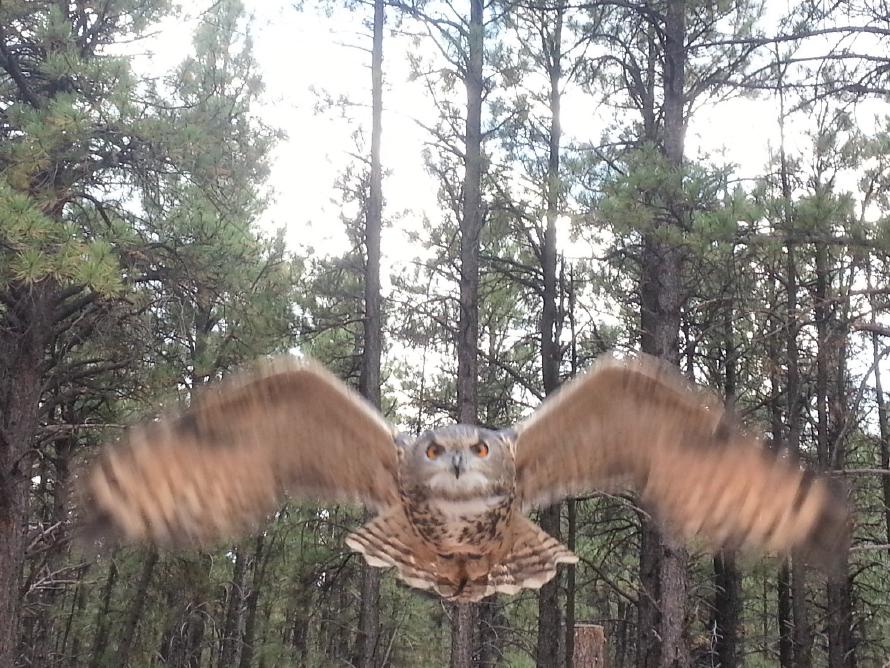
point(637, 423)
point(287, 428)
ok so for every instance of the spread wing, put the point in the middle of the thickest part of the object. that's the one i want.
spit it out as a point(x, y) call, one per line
point(638, 423)
point(221, 467)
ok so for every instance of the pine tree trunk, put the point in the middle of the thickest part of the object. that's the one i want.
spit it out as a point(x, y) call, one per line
point(369, 615)
point(548, 597)
point(802, 637)
point(62, 643)
point(100, 638)
point(465, 615)
point(233, 604)
point(137, 606)
point(490, 650)
point(801, 633)
point(831, 384)
point(471, 228)
point(786, 644)
point(570, 586)
point(883, 422)
point(840, 619)
point(663, 560)
point(571, 504)
point(37, 636)
point(648, 649)
point(248, 642)
point(549, 626)
point(727, 578)
point(24, 325)
point(197, 613)
point(777, 429)
point(884, 427)
point(727, 608)
point(74, 655)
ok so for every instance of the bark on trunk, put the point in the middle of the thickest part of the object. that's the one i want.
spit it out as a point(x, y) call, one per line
point(786, 644)
point(80, 603)
point(832, 407)
point(247, 650)
point(548, 597)
point(547, 651)
point(777, 428)
point(465, 615)
point(471, 228)
point(24, 328)
point(883, 420)
point(840, 619)
point(100, 639)
point(801, 634)
point(663, 561)
point(727, 608)
point(231, 630)
point(570, 585)
point(369, 383)
point(727, 578)
point(884, 427)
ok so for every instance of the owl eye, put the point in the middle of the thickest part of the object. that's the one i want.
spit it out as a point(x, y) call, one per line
point(433, 450)
point(480, 449)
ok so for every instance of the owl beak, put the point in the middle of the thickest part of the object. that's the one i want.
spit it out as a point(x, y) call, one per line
point(457, 462)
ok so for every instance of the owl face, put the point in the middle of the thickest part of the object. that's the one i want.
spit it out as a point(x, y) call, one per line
point(459, 461)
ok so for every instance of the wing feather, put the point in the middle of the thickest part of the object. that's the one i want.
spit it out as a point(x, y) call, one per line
point(637, 423)
point(288, 427)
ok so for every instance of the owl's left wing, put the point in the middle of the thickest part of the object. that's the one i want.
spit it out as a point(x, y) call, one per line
point(287, 427)
point(637, 423)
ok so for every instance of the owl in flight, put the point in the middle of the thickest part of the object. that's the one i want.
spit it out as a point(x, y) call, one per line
point(451, 504)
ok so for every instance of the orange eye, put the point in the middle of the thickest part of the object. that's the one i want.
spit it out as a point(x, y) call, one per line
point(433, 450)
point(480, 449)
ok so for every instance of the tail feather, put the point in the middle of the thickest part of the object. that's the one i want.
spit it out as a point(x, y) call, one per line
point(530, 564)
point(533, 560)
point(388, 541)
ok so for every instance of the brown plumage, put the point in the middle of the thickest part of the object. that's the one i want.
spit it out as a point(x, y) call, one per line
point(451, 503)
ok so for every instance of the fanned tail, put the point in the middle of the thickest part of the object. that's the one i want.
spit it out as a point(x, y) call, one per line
point(389, 541)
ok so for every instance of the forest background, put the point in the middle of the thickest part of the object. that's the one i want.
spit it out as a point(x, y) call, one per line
point(556, 185)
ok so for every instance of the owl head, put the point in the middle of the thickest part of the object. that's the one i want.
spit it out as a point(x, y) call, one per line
point(459, 461)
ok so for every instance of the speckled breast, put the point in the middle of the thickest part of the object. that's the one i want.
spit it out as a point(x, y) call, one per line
point(459, 526)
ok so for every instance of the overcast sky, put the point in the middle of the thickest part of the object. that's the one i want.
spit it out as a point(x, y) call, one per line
point(302, 53)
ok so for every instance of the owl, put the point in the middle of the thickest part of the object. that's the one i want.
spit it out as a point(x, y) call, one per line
point(451, 505)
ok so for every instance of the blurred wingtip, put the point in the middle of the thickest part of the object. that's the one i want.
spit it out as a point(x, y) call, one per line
point(94, 535)
point(827, 546)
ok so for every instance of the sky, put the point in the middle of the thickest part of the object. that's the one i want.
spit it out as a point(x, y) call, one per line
point(304, 55)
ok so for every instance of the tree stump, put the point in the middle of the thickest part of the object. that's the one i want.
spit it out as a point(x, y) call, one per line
point(590, 646)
